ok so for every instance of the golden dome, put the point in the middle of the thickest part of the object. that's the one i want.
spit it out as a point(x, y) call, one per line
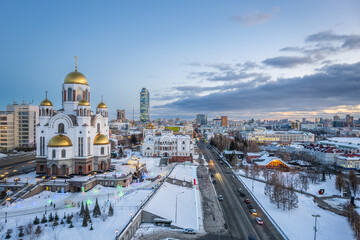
point(60, 141)
point(84, 103)
point(46, 102)
point(102, 105)
point(101, 139)
point(76, 77)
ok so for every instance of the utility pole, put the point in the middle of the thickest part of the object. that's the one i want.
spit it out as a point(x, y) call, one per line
point(315, 229)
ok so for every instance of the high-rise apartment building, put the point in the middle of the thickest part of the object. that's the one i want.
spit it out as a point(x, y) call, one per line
point(224, 121)
point(120, 115)
point(201, 119)
point(18, 126)
point(144, 105)
point(7, 138)
point(26, 117)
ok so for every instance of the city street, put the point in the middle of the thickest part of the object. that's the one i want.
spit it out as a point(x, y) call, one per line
point(240, 223)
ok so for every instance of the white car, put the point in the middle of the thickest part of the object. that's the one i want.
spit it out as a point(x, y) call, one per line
point(189, 231)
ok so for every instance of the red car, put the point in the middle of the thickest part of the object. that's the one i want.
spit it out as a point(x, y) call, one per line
point(259, 221)
point(247, 201)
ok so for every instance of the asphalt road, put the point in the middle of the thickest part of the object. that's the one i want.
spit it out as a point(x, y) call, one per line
point(13, 169)
point(240, 223)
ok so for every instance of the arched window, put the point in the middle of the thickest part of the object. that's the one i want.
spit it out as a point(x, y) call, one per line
point(70, 93)
point(41, 168)
point(47, 112)
point(81, 112)
point(102, 151)
point(86, 95)
point(61, 128)
point(98, 128)
point(89, 168)
point(80, 169)
point(79, 94)
point(63, 153)
point(53, 153)
point(42, 112)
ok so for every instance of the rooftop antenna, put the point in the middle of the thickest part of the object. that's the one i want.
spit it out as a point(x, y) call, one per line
point(76, 60)
point(133, 117)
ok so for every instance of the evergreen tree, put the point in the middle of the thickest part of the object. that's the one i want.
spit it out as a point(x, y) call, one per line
point(68, 219)
point(56, 217)
point(91, 228)
point(21, 231)
point(55, 223)
point(36, 221)
point(111, 211)
point(8, 234)
point(38, 231)
point(71, 225)
point(64, 216)
point(87, 214)
point(51, 218)
point(44, 220)
point(82, 210)
point(96, 212)
point(84, 224)
point(62, 221)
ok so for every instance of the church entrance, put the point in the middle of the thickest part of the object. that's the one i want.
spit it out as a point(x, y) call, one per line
point(102, 166)
point(53, 170)
point(63, 170)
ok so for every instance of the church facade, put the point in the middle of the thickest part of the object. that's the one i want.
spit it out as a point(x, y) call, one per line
point(72, 140)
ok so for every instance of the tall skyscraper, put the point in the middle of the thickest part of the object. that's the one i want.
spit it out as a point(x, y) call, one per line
point(144, 105)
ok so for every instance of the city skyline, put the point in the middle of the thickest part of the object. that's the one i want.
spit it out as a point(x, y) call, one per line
point(243, 60)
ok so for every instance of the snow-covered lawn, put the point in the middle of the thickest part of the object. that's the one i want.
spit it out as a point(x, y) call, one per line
point(298, 223)
point(164, 201)
point(31, 177)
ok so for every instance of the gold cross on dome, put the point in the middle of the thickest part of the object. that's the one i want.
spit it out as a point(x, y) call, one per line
point(46, 94)
point(76, 59)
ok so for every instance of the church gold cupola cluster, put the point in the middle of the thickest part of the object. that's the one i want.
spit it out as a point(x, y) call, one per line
point(73, 139)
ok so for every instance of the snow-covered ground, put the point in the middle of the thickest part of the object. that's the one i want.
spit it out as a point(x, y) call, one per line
point(298, 223)
point(31, 177)
point(164, 201)
point(125, 203)
point(328, 185)
point(184, 172)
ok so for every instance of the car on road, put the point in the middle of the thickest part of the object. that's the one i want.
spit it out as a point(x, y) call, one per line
point(214, 181)
point(239, 189)
point(221, 162)
point(247, 201)
point(253, 211)
point(228, 172)
point(212, 175)
point(259, 221)
point(241, 192)
point(220, 198)
point(189, 231)
point(251, 238)
point(250, 206)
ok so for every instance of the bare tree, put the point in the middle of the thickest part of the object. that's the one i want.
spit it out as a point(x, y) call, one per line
point(354, 184)
point(339, 182)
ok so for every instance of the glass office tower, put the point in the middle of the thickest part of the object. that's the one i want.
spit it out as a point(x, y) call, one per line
point(144, 105)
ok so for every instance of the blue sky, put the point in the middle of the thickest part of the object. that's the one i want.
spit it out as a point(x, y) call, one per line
point(193, 56)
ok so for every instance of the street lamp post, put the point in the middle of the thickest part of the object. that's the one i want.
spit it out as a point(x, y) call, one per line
point(45, 209)
point(315, 229)
point(176, 206)
point(116, 233)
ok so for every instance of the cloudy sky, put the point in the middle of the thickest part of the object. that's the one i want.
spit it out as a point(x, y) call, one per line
point(245, 59)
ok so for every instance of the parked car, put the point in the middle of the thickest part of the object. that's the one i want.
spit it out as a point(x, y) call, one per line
point(221, 162)
point(212, 175)
point(214, 181)
point(247, 201)
point(189, 231)
point(250, 206)
point(259, 221)
point(242, 194)
point(220, 198)
point(239, 189)
point(228, 172)
point(251, 237)
point(253, 211)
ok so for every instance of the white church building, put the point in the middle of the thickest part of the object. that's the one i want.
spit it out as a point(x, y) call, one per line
point(72, 140)
point(179, 148)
